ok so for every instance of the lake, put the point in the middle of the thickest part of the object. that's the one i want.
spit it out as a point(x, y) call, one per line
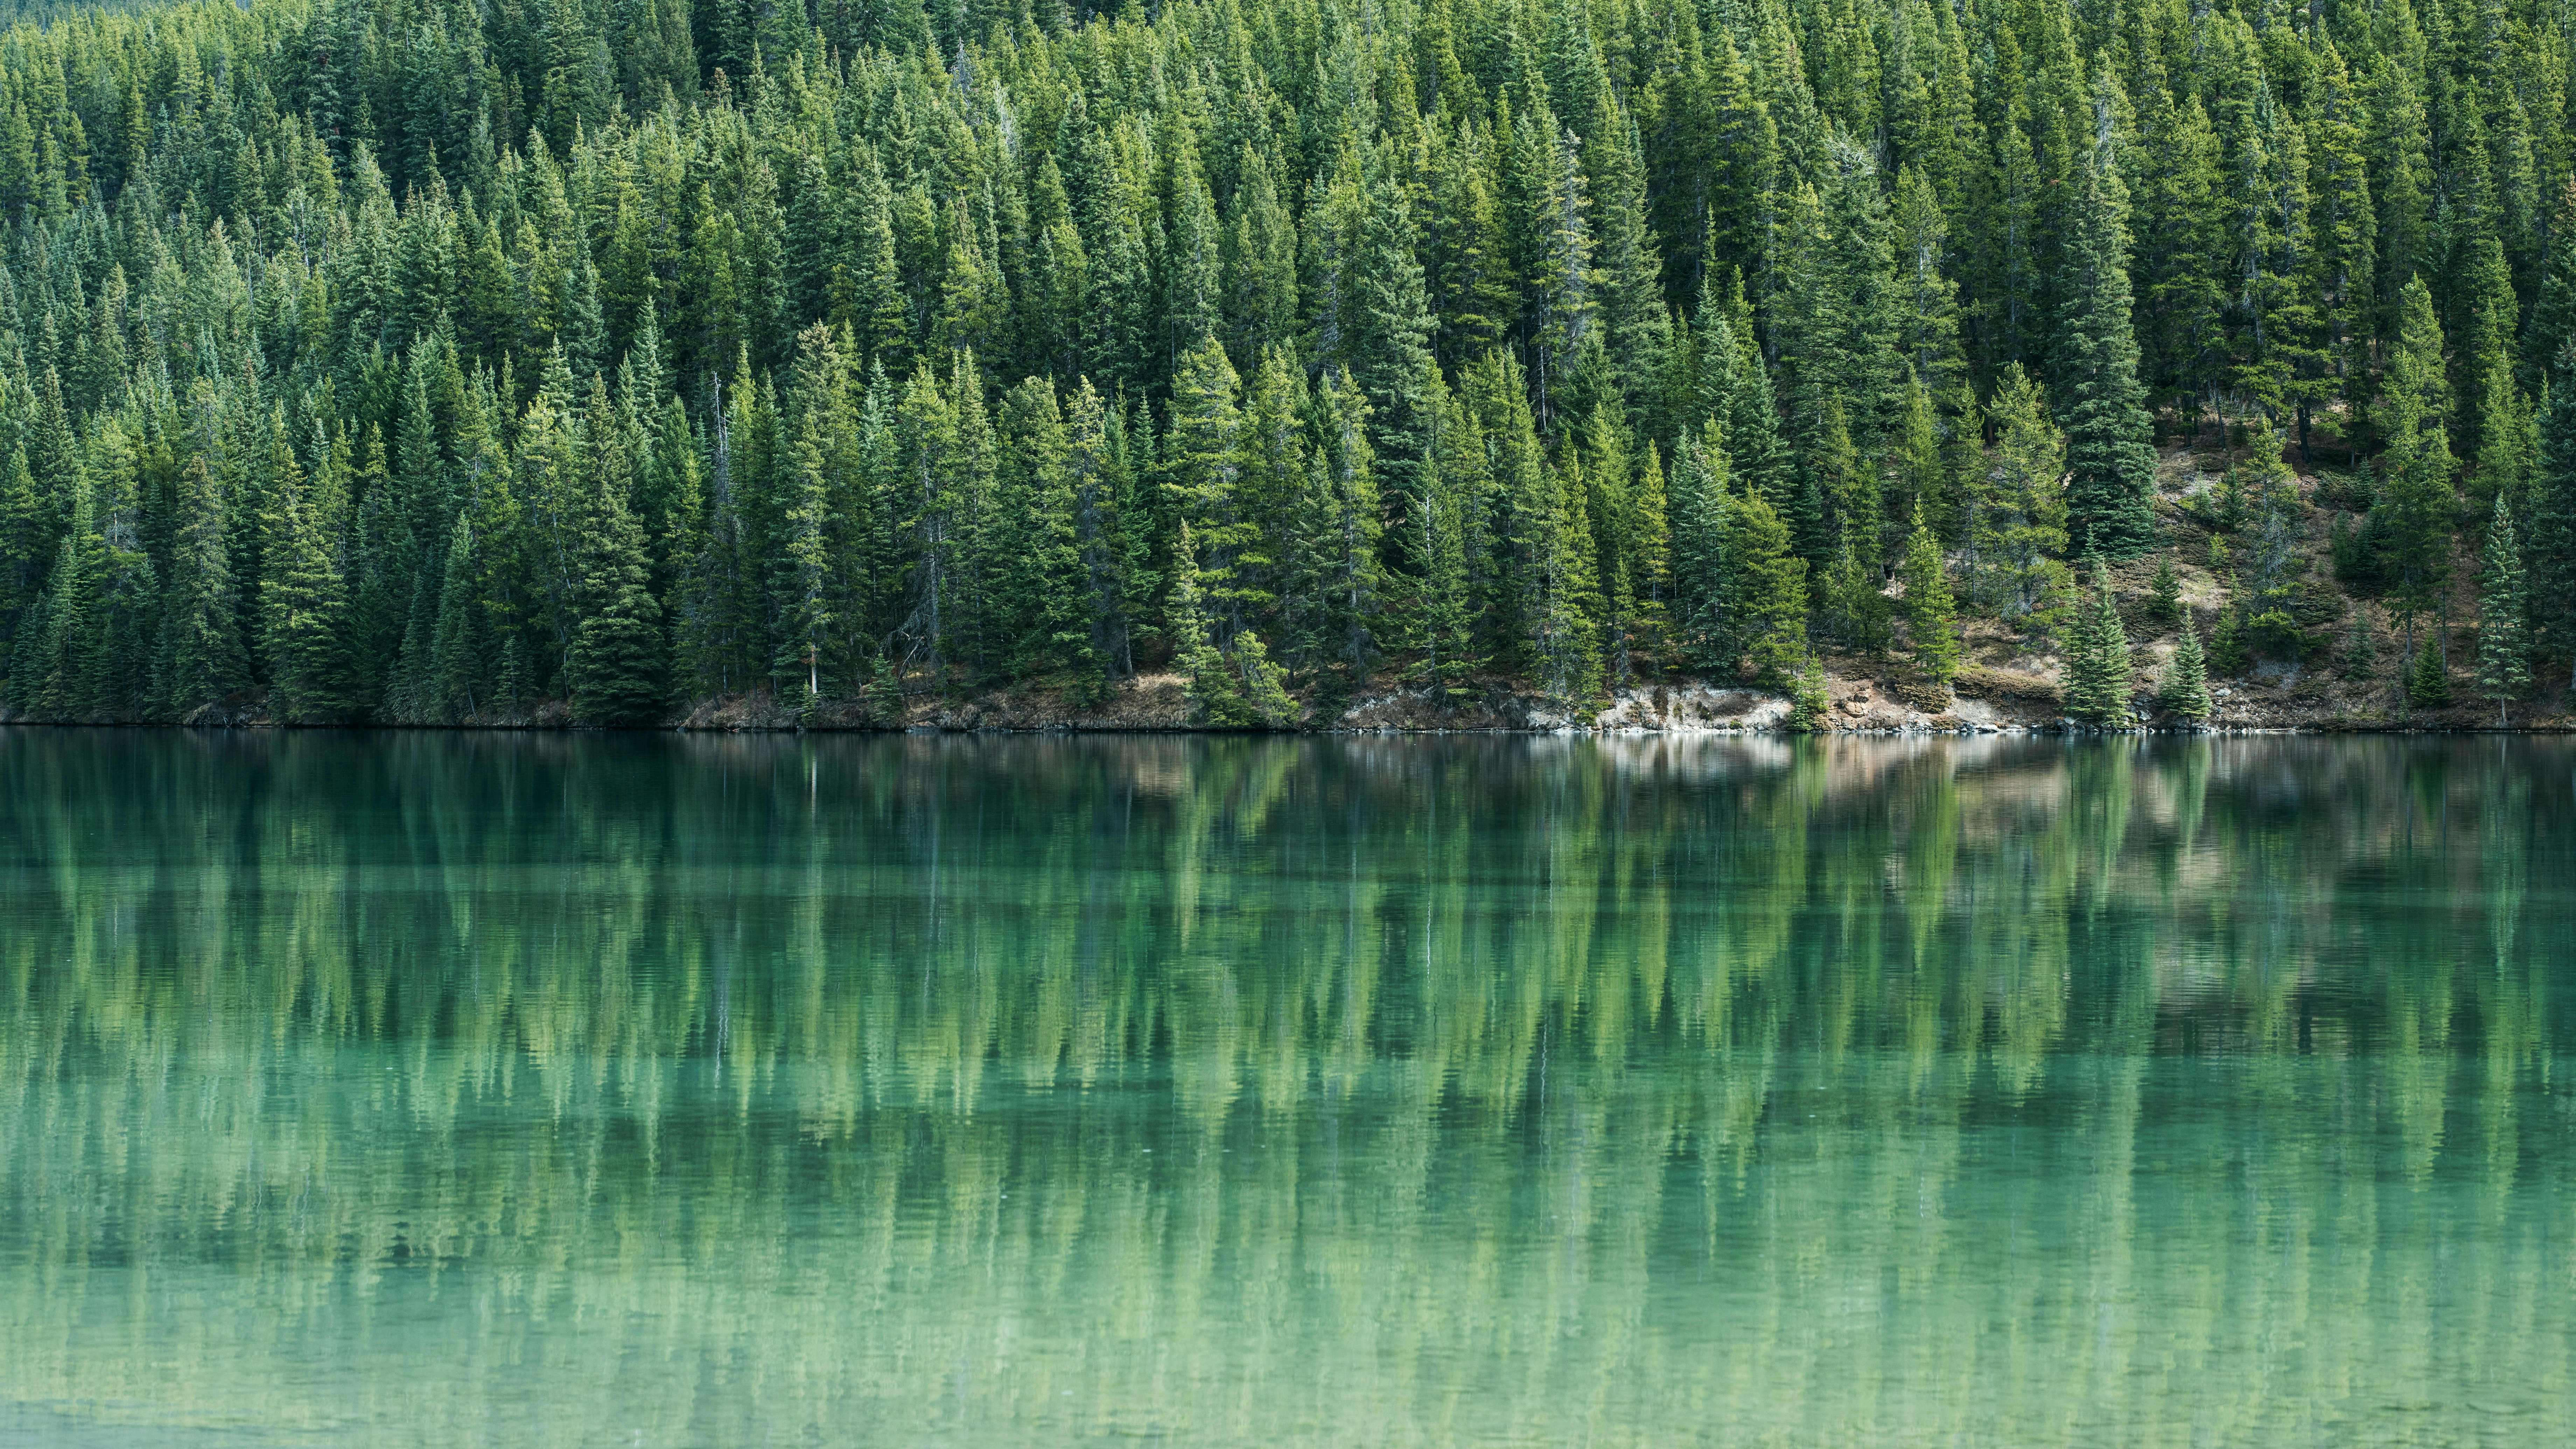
point(446, 1089)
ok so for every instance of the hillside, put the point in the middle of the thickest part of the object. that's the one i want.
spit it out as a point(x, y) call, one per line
point(403, 362)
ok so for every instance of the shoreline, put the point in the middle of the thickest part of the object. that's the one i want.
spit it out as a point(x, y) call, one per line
point(1864, 697)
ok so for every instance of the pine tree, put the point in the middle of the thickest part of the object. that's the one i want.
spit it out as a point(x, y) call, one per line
point(1108, 528)
point(457, 666)
point(2097, 657)
point(1244, 691)
point(2228, 654)
point(2186, 686)
point(2359, 658)
point(2416, 502)
point(1770, 581)
point(1734, 391)
point(1929, 336)
point(2110, 448)
point(1703, 562)
point(2017, 521)
point(1352, 523)
point(1444, 627)
point(1931, 614)
point(304, 600)
point(1045, 598)
point(2164, 598)
point(1807, 697)
point(618, 668)
point(1921, 472)
point(1565, 614)
point(2551, 533)
point(386, 564)
point(201, 658)
point(375, 317)
point(1855, 611)
point(805, 586)
point(45, 672)
point(24, 536)
point(2428, 682)
point(2504, 653)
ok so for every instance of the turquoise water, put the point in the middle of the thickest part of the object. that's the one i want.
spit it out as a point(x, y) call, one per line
point(479, 1089)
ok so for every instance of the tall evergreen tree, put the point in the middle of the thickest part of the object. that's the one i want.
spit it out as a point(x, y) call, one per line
point(2504, 658)
point(1770, 583)
point(618, 668)
point(1931, 615)
point(2097, 657)
point(304, 600)
point(2110, 449)
point(201, 660)
point(2416, 500)
point(2017, 520)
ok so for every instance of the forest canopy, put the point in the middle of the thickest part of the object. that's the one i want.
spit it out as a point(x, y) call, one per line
point(418, 360)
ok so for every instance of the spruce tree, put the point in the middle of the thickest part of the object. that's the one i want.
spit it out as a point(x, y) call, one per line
point(1931, 614)
point(2551, 535)
point(618, 668)
point(1703, 562)
point(201, 659)
point(304, 600)
point(2359, 657)
point(1770, 581)
point(2416, 502)
point(2428, 682)
point(23, 544)
point(805, 585)
point(458, 664)
point(46, 676)
point(2186, 686)
point(1444, 627)
point(2097, 656)
point(2110, 446)
point(1808, 700)
point(2017, 524)
point(2504, 652)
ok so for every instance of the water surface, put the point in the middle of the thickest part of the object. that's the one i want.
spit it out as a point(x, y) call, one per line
point(554, 1090)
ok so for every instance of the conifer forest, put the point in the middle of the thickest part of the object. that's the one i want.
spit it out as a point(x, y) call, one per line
point(477, 361)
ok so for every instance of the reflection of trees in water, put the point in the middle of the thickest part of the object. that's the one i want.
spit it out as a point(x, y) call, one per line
point(1569, 1085)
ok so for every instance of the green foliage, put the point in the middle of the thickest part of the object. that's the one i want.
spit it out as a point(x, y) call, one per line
point(2504, 650)
point(2110, 456)
point(202, 659)
point(2186, 685)
point(2358, 657)
point(2428, 681)
point(2229, 653)
point(1473, 357)
point(2164, 597)
point(2017, 520)
point(618, 669)
point(1931, 616)
point(1808, 700)
point(2097, 656)
point(1770, 583)
point(2416, 496)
